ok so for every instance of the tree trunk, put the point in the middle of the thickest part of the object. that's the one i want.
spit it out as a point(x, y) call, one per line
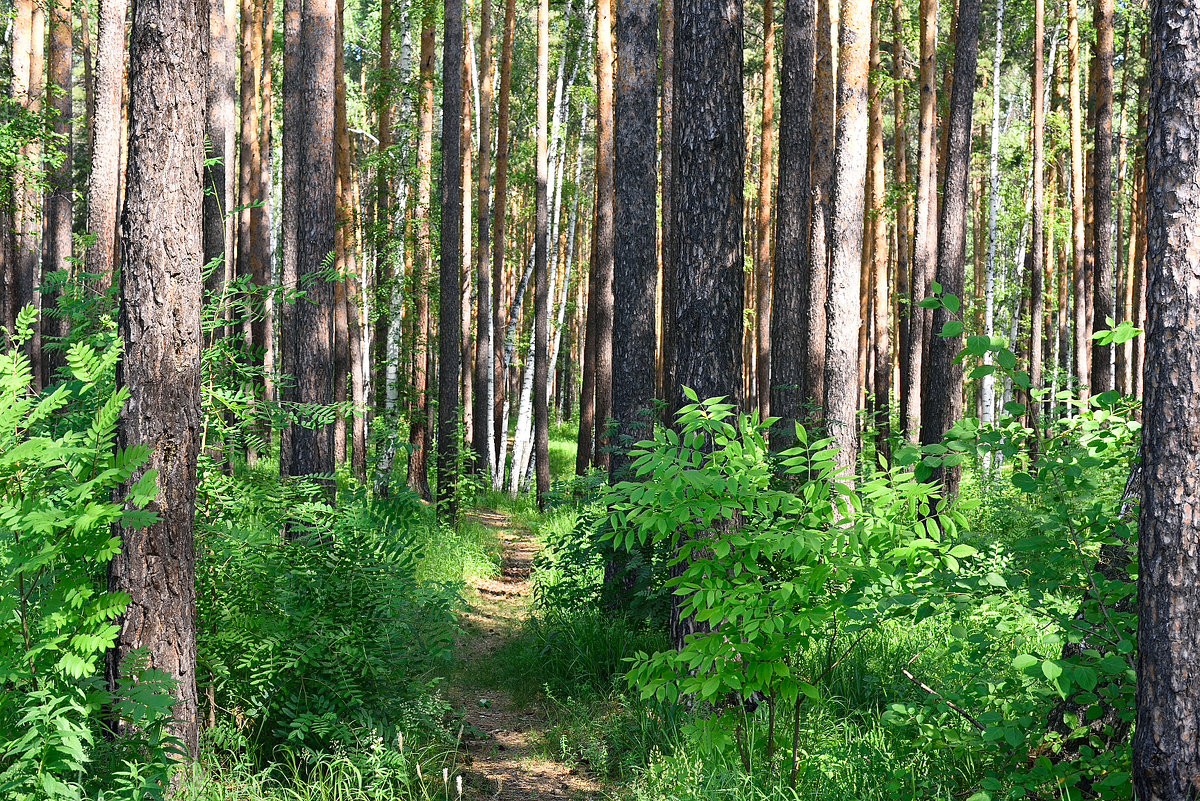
point(1166, 754)
point(941, 391)
point(384, 272)
point(161, 289)
point(846, 231)
point(313, 447)
point(499, 238)
point(635, 247)
point(422, 273)
point(1102, 193)
point(541, 295)
point(881, 410)
point(450, 269)
point(1037, 291)
point(987, 383)
point(483, 439)
point(667, 245)
point(793, 217)
point(28, 84)
point(104, 180)
point(56, 246)
point(762, 257)
point(604, 233)
point(1078, 246)
point(903, 293)
point(824, 114)
point(293, 121)
point(220, 127)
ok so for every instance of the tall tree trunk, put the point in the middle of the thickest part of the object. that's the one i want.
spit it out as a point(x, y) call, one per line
point(313, 336)
point(900, 77)
point(1102, 193)
point(161, 289)
point(793, 217)
point(541, 295)
point(667, 245)
point(846, 231)
point(220, 128)
point(499, 238)
point(762, 257)
point(483, 439)
point(942, 382)
point(422, 273)
point(1166, 754)
point(104, 180)
point(925, 244)
point(293, 121)
point(466, 343)
point(384, 272)
point(635, 247)
point(879, 258)
point(604, 233)
point(1037, 290)
point(28, 85)
point(450, 301)
point(987, 383)
point(824, 121)
point(1078, 246)
point(587, 384)
point(56, 247)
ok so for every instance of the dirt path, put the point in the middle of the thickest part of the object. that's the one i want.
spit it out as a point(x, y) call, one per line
point(504, 756)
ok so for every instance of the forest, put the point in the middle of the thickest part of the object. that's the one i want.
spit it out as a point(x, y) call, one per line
point(599, 399)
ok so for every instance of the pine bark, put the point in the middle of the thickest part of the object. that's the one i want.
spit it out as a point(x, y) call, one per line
point(881, 304)
point(221, 171)
point(104, 180)
point(604, 232)
point(499, 238)
point(793, 217)
point(450, 268)
point(1102, 194)
point(56, 245)
point(824, 115)
point(541, 297)
point(846, 231)
point(903, 314)
point(1078, 245)
point(667, 261)
point(293, 121)
point(1038, 244)
point(762, 256)
point(941, 392)
point(159, 321)
point(1166, 750)
point(483, 433)
point(635, 246)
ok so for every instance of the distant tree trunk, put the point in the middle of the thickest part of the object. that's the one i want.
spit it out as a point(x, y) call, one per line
point(587, 384)
point(483, 433)
point(56, 246)
point(466, 386)
point(161, 289)
point(450, 301)
point(792, 218)
point(1166, 754)
point(384, 272)
point(1102, 193)
point(879, 258)
point(824, 120)
point(987, 384)
point(28, 85)
point(313, 337)
point(499, 237)
point(604, 234)
point(710, 149)
point(104, 180)
point(635, 247)
point(422, 272)
point(220, 127)
point(925, 244)
point(541, 295)
point(900, 77)
point(293, 120)
point(762, 258)
point(1037, 291)
point(941, 392)
point(1078, 245)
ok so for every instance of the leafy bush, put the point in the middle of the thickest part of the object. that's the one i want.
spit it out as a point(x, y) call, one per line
point(57, 517)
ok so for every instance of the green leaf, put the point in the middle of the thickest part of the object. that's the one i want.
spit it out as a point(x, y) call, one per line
point(1051, 669)
point(952, 329)
point(1086, 677)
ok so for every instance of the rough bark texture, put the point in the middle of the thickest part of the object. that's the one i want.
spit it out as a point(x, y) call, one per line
point(419, 439)
point(762, 256)
point(605, 69)
point(925, 233)
point(541, 257)
point(253, 239)
point(28, 84)
point(483, 434)
point(220, 130)
point(881, 305)
point(635, 263)
point(824, 114)
point(450, 301)
point(792, 218)
point(1166, 747)
point(312, 339)
point(160, 324)
point(941, 391)
point(667, 259)
point(293, 120)
point(56, 245)
point(1102, 193)
point(1037, 246)
point(104, 181)
point(846, 231)
point(900, 75)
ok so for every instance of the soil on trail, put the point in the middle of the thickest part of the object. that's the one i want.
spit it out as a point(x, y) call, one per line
point(504, 757)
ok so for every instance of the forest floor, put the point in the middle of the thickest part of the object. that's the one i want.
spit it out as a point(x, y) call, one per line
point(505, 750)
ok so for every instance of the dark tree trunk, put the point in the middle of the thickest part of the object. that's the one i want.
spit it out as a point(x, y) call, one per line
point(499, 236)
point(1166, 752)
point(880, 338)
point(312, 336)
point(587, 383)
point(903, 317)
point(104, 181)
point(635, 267)
point(605, 191)
point(293, 120)
point(846, 232)
point(942, 380)
point(762, 256)
point(56, 245)
point(824, 113)
point(1038, 243)
point(419, 434)
point(219, 173)
point(793, 214)
point(667, 248)
point(384, 272)
point(161, 290)
point(483, 433)
point(450, 269)
point(1102, 194)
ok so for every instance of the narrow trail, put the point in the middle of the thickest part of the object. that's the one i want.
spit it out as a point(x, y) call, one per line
point(504, 755)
